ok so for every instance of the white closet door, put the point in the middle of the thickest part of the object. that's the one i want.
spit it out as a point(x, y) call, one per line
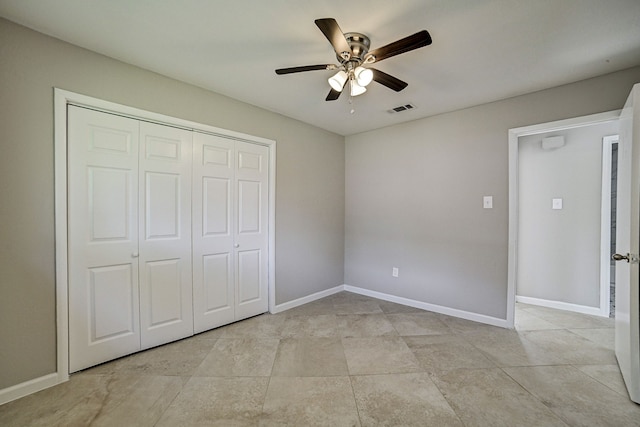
point(213, 225)
point(166, 312)
point(103, 237)
point(230, 230)
point(251, 229)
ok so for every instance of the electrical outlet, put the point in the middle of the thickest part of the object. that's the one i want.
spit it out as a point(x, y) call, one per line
point(487, 202)
point(556, 203)
point(395, 271)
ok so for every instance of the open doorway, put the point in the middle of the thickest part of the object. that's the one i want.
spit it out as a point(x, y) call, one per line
point(610, 158)
point(562, 257)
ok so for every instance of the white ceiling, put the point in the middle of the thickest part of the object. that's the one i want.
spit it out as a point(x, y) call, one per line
point(482, 51)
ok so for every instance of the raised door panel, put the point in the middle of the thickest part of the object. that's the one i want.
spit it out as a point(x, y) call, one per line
point(213, 224)
point(111, 296)
point(103, 237)
point(249, 276)
point(164, 296)
point(166, 312)
point(251, 231)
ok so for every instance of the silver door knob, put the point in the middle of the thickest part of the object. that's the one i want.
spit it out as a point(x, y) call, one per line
point(618, 257)
point(236, 245)
point(134, 255)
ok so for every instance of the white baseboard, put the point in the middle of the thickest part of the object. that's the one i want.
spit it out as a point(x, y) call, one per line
point(480, 318)
point(305, 300)
point(594, 311)
point(28, 387)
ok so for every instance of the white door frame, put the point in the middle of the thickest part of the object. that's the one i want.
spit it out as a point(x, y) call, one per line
point(514, 135)
point(61, 99)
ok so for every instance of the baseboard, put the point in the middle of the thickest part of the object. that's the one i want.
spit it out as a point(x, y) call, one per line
point(29, 387)
point(475, 317)
point(305, 300)
point(594, 311)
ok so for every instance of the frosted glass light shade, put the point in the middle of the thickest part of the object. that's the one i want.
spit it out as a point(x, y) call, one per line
point(364, 76)
point(356, 89)
point(338, 80)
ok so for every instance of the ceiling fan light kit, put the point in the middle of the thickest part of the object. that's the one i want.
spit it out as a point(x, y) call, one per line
point(352, 53)
point(363, 76)
point(338, 80)
point(356, 89)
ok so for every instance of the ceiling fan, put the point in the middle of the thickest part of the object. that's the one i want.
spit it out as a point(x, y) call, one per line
point(353, 54)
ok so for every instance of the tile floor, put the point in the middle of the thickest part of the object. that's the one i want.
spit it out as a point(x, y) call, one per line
point(350, 360)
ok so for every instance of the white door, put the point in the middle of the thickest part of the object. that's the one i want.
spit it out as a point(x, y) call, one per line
point(628, 245)
point(213, 225)
point(251, 231)
point(103, 237)
point(166, 312)
point(230, 230)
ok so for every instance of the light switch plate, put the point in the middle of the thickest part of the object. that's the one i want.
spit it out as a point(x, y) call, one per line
point(487, 202)
point(556, 203)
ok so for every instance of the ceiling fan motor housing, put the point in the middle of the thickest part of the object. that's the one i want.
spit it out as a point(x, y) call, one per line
point(359, 44)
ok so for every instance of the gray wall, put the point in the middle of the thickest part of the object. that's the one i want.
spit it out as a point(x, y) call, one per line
point(559, 250)
point(309, 200)
point(414, 196)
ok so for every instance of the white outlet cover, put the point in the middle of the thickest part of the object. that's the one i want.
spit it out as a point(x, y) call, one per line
point(556, 203)
point(487, 202)
point(394, 272)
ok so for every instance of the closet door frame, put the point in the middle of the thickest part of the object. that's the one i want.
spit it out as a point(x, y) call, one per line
point(63, 98)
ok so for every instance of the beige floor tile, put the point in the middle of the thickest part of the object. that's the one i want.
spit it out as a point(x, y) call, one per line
point(388, 307)
point(608, 375)
point(379, 355)
point(364, 325)
point(464, 326)
point(325, 401)
point(76, 401)
point(526, 321)
point(320, 307)
point(510, 348)
point(603, 337)
point(401, 399)
point(575, 397)
point(180, 358)
point(442, 352)
point(263, 326)
point(212, 334)
point(426, 323)
point(570, 348)
point(137, 401)
point(346, 297)
point(100, 400)
point(240, 357)
point(324, 325)
point(488, 397)
point(310, 357)
point(214, 401)
point(356, 307)
point(570, 320)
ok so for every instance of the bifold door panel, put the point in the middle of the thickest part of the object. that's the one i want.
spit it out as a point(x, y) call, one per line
point(166, 312)
point(103, 236)
point(229, 221)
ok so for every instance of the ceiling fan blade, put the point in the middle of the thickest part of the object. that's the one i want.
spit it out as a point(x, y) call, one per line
point(334, 34)
point(407, 44)
point(305, 68)
point(333, 95)
point(388, 80)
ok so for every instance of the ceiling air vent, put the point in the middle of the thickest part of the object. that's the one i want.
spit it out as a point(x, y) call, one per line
point(402, 108)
